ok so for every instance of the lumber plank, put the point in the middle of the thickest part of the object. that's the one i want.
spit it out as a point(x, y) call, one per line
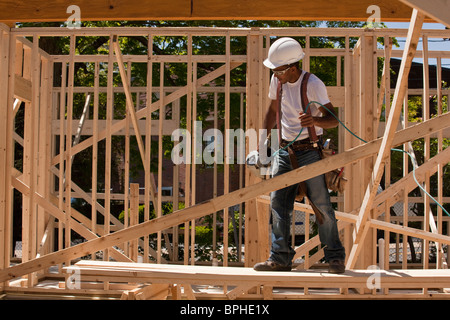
point(108, 144)
point(245, 278)
point(94, 10)
point(413, 232)
point(317, 10)
point(7, 60)
point(22, 88)
point(69, 143)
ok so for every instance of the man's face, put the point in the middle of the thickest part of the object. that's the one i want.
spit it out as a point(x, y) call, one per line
point(285, 73)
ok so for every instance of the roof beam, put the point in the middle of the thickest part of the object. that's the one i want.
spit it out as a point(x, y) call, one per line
point(344, 10)
point(94, 10)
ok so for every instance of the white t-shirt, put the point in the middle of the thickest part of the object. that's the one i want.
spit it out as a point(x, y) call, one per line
point(291, 104)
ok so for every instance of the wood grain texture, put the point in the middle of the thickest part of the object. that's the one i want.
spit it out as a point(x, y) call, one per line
point(350, 10)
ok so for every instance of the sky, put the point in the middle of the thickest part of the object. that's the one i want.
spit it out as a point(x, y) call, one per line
point(434, 44)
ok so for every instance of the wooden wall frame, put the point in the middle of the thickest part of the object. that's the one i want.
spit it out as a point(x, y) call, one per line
point(26, 75)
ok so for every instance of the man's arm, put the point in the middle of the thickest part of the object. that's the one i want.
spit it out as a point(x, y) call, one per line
point(326, 121)
point(270, 120)
point(271, 116)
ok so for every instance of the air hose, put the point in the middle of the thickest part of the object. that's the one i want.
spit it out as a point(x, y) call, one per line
point(393, 149)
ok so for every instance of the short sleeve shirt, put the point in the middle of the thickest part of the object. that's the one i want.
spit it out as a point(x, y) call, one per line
point(291, 104)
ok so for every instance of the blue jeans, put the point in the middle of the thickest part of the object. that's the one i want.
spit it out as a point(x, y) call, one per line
point(282, 202)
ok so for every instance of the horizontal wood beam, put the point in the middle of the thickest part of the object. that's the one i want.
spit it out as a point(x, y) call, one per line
point(168, 127)
point(22, 88)
point(412, 232)
point(94, 10)
point(346, 10)
point(241, 277)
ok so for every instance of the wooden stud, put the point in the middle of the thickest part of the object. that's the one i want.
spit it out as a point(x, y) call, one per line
point(44, 153)
point(7, 59)
point(126, 195)
point(216, 115)
point(61, 179)
point(148, 143)
point(134, 218)
point(187, 181)
point(263, 216)
point(227, 145)
point(95, 152)
point(440, 250)
point(108, 142)
point(69, 142)
point(251, 224)
point(427, 147)
point(194, 159)
point(160, 156)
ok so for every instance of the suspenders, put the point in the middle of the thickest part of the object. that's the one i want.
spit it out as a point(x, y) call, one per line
point(304, 99)
point(302, 190)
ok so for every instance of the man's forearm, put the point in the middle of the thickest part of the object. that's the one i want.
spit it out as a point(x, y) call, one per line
point(269, 121)
point(326, 122)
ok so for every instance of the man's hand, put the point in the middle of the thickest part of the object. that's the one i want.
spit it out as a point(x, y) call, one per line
point(327, 120)
point(306, 120)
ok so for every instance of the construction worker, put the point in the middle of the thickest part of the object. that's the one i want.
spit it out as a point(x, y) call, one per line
point(283, 58)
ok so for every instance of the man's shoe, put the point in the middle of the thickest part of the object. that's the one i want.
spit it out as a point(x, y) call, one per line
point(270, 265)
point(336, 266)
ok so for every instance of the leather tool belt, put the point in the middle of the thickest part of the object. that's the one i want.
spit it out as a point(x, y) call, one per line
point(300, 145)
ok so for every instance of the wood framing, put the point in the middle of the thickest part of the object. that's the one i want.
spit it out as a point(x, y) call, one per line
point(198, 210)
point(64, 121)
point(394, 116)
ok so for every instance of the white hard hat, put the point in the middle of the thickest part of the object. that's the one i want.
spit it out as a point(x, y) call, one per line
point(282, 52)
